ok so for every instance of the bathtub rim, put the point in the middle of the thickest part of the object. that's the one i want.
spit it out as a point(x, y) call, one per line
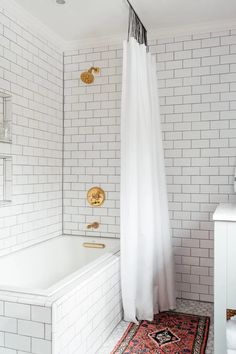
point(48, 301)
point(65, 282)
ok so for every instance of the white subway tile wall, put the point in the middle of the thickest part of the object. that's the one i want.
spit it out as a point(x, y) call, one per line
point(92, 140)
point(31, 70)
point(23, 332)
point(197, 88)
point(197, 94)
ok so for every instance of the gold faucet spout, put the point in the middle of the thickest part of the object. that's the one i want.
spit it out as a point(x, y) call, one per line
point(94, 225)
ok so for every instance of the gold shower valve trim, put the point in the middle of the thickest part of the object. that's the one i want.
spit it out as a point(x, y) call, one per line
point(96, 196)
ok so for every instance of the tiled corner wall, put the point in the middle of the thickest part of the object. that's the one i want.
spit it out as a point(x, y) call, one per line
point(31, 70)
point(25, 328)
point(197, 88)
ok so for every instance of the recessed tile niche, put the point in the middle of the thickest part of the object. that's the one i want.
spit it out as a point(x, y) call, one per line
point(5, 117)
point(5, 179)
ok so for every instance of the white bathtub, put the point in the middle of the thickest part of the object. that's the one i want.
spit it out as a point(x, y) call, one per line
point(47, 267)
point(58, 297)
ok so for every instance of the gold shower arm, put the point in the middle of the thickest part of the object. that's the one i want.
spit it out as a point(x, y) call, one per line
point(95, 69)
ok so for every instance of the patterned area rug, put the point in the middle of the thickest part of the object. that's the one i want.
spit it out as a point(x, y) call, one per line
point(170, 332)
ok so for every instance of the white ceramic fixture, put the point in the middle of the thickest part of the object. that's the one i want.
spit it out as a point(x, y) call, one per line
point(225, 266)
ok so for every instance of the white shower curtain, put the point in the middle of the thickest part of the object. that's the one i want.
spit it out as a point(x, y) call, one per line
point(146, 253)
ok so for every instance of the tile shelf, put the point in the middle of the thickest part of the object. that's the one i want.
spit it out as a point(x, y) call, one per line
point(5, 141)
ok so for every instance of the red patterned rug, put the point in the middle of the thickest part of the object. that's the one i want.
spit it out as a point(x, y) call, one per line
point(170, 332)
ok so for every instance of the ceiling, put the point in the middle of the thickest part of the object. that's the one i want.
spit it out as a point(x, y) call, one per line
point(81, 19)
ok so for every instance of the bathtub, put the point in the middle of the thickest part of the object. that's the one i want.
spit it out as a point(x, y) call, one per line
point(60, 297)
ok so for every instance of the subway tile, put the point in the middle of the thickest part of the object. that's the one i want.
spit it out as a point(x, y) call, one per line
point(18, 342)
point(8, 351)
point(31, 329)
point(17, 310)
point(8, 324)
point(41, 346)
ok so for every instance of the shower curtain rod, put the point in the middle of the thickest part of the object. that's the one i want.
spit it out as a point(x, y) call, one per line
point(136, 15)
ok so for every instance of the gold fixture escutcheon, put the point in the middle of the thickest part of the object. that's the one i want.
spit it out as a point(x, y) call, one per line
point(96, 196)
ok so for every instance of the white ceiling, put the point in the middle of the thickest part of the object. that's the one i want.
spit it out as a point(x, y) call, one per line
point(81, 19)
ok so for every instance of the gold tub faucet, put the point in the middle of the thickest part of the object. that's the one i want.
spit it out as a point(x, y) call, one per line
point(94, 225)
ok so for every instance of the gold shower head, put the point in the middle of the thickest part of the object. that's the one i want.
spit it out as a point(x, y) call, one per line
point(87, 77)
